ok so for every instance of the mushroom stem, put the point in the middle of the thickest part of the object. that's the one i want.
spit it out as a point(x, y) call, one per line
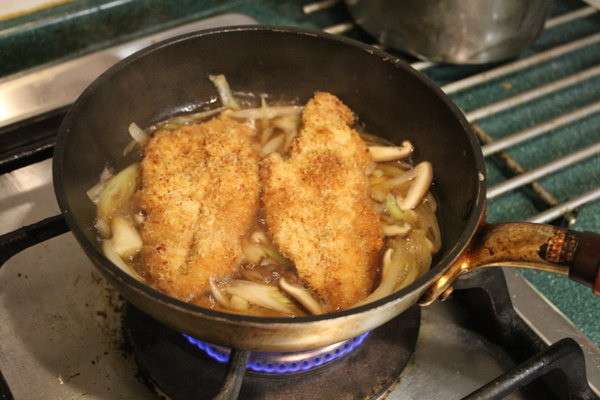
point(302, 296)
point(419, 187)
point(391, 153)
point(396, 230)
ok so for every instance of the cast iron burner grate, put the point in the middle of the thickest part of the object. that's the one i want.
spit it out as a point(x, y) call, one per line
point(180, 367)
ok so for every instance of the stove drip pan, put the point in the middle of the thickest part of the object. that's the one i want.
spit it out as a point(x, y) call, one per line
point(178, 366)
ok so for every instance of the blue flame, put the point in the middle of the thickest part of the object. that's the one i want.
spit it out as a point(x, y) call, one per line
point(282, 368)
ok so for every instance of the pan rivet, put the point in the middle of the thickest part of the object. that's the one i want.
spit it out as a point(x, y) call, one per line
point(446, 293)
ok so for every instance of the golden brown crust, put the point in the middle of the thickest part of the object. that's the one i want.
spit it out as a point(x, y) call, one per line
point(200, 193)
point(317, 205)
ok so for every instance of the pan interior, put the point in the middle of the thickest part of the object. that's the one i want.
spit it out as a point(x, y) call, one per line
point(389, 98)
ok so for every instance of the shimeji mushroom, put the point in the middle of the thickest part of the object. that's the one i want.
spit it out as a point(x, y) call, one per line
point(391, 153)
point(419, 187)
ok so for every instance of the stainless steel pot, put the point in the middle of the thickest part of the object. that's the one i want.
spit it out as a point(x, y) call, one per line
point(453, 31)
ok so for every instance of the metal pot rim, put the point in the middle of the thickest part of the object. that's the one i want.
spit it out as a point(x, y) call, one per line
point(98, 258)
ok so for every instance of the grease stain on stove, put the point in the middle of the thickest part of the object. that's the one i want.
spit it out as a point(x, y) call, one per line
point(108, 311)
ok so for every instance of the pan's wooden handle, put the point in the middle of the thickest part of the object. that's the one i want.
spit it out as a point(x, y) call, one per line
point(526, 245)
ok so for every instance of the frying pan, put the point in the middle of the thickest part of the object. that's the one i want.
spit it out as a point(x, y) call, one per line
point(392, 100)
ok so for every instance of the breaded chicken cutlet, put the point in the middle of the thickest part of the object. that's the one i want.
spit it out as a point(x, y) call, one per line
point(317, 205)
point(200, 193)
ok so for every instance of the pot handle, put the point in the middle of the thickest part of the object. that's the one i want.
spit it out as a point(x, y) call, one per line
point(525, 245)
point(14, 242)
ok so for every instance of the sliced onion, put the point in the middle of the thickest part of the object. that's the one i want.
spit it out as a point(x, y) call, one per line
point(389, 278)
point(111, 254)
point(186, 119)
point(106, 174)
point(437, 235)
point(94, 192)
point(391, 170)
point(116, 195)
point(428, 223)
point(410, 275)
point(268, 113)
point(102, 227)
point(129, 148)
point(302, 296)
point(138, 134)
point(289, 138)
point(217, 293)
point(289, 124)
point(265, 134)
point(224, 90)
point(410, 217)
point(431, 202)
point(169, 126)
point(272, 145)
point(126, 240)
point(419, 187)
point(263, 107)
point(253, 253)
point(413, 254)
point(262, 295)
point(401, 179)
point(238, 303)
point(391, 153)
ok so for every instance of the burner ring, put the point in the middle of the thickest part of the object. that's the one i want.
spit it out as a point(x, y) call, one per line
point(283, 363)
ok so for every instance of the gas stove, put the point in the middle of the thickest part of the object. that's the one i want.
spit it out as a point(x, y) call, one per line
point(66, 334)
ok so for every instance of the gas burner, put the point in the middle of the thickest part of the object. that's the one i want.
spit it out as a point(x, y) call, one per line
point(284, 363)
point(181, 367)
